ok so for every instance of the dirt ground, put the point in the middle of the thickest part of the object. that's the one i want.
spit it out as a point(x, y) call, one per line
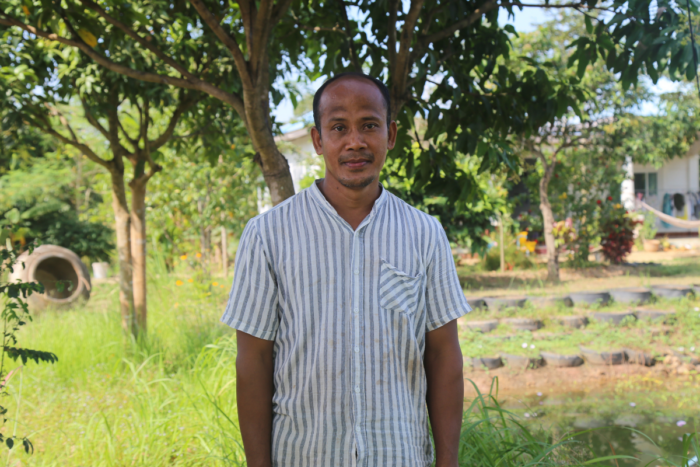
point(583, 378)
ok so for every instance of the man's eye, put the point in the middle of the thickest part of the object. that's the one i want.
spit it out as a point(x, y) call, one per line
point(338, 128)
point(371, 126)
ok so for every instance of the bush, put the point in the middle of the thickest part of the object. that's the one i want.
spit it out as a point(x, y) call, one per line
point(617, 232)
point(514, 258)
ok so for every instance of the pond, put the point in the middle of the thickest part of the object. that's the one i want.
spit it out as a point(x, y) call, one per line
point(637, 424)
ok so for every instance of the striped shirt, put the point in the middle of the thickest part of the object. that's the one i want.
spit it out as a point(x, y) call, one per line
point(348, 312)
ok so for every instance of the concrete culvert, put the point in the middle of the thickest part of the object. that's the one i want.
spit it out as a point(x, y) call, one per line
point(65, 278)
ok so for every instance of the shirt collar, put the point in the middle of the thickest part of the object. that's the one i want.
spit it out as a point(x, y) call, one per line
point(321, 200)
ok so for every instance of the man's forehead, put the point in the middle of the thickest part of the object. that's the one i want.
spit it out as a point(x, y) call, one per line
point(365, 98)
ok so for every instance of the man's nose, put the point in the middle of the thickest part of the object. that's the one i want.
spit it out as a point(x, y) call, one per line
point(355, 141)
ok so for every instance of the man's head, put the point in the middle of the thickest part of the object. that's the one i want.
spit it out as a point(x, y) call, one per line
point(354, 131)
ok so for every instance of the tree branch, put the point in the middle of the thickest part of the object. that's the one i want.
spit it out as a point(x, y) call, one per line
point(84, 148)
point(466, 22)
point(351, 43)
point(233, 100)
point(391, 32)
point(143, 42)
point(91, 118)
point(230, 43)
point(184, 105)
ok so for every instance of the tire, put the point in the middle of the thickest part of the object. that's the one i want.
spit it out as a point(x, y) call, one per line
point(499, 303)
point(523, 324)
point(593, 357)
point(476, 303)
point(49, 265)
point(631, 295)
point(486, 325)
point(615, 318)
point(561, 361)
point(551, 301)
point(655, 315)
point(575, 322)
point(590, 298)
point(491, 363)
point(671, 291)
point(639, 357)
point(523, 363)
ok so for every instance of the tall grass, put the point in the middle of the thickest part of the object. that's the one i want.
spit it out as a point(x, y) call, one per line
point(170, 400)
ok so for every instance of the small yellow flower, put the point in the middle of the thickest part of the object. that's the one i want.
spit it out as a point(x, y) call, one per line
point(183, 257)
point(176, 305)
point(233, 146)
point(562, 196)
point(215, 284)
point(618, 206)
point(178, 282)
point(198, 255)
point(190, 280)
point(222, 286)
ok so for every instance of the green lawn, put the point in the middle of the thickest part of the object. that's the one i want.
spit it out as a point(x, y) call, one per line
point(170, 401)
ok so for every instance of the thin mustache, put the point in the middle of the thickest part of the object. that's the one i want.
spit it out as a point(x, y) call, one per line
point(368, 156)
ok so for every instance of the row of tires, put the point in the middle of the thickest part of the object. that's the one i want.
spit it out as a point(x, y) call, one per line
point(533, 324)
point(622, 295)
point(588, 356)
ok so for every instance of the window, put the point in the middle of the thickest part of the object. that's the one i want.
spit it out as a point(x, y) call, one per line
point(651, 185)
point(646, 184)
point(640, 184)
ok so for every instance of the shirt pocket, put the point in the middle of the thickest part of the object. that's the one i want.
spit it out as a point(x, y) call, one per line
point(397, 290)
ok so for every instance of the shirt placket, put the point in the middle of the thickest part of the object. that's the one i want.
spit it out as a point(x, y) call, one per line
point(357, 314)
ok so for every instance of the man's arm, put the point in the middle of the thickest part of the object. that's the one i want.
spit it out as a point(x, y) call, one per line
point(443, 368)
point(254, 389)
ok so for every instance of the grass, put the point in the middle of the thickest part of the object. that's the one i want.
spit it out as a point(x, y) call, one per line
point(170, 400)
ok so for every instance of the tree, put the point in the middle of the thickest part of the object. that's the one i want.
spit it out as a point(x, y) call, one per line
point(120, 111)
point(252, 44)
point(450, 63)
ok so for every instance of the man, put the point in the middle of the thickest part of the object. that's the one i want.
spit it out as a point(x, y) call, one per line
point(345, 300)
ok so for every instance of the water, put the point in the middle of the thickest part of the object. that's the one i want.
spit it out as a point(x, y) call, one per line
point(644, 429)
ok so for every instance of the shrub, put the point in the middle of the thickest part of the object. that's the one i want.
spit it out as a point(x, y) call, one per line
point(617, 233)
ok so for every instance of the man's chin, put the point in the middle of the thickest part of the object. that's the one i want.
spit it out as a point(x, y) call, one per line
point(356, 183)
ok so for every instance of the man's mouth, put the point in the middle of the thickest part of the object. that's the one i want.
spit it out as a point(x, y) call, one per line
point(356, 163)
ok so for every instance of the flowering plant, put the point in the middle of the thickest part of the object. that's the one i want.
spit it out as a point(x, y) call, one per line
point(617, 233)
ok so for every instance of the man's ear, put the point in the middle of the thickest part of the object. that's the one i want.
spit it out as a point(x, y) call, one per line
point(392, 135)
point(318, 143)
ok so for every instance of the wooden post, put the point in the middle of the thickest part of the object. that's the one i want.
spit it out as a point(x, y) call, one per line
point(500, 243)
point(224, 252)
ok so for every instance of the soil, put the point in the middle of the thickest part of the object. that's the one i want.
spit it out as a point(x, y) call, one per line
point(564, 380)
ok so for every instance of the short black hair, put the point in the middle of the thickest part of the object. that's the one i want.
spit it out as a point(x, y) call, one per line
point(352, 74)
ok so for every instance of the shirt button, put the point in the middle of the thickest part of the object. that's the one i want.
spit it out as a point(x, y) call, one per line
point(357, 388)
point(357, 349)
point(356, 310)
point(357, 271)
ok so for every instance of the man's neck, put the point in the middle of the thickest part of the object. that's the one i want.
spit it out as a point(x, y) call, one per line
point(352, 204)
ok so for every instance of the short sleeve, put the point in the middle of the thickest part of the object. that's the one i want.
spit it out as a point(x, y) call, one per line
point(445, 300)
point(252, 304)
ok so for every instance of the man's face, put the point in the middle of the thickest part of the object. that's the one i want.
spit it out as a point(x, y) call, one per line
point(354, 137)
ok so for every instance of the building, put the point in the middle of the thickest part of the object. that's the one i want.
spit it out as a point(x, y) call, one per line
point(673, 188)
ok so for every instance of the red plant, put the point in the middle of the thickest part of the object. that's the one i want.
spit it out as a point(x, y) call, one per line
point(617, 235)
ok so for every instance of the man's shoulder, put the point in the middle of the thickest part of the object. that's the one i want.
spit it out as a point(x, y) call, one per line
point(424, 219)
point(276, 215)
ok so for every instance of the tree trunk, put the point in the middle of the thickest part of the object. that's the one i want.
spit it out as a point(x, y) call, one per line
point(138, 250)
point(274, 165)
point(548, 222)
point(122, 223)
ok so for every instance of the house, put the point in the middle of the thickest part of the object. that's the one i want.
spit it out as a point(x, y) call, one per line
point(673, 188)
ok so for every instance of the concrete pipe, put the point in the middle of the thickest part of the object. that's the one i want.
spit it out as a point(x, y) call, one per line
point(49, 265)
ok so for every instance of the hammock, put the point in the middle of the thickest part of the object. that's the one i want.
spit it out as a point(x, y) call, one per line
point(681, 223)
